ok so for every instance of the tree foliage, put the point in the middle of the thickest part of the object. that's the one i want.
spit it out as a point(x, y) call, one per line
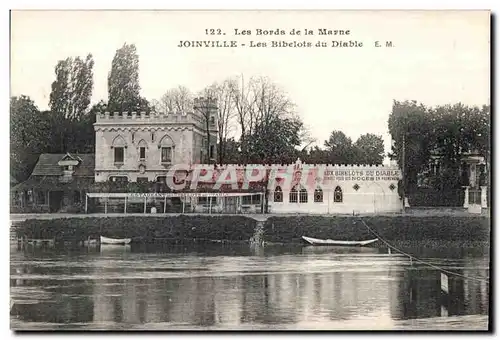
point(447, 132)
point(29, 129)
point(339, 148)
point(274, 141)
point(178, 99)
point(72, 90)
point(369, 149)
point(411, 126)
point(123, 82)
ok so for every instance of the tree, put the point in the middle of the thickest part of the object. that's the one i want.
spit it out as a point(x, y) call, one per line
point(411, 129)
point(222, 92)
point(274, 141)
point(232, 152)
point(28, 136)
point(240, 98)
point(459, 129)
point(123, 82)
point(340, 149)
point(206, 107)
point(369, 149)
point(257, 104)
point(178, 99)
point(72, 89)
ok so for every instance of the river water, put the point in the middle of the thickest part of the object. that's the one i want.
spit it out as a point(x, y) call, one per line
point(217, 287)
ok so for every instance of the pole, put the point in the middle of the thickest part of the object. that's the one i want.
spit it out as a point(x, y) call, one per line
point(165, 204)
point(183, 205)
point(86, 202)
point(106, 205)
point(145, 203)
point(403, 174)
point(210, 205)
point(125, 207)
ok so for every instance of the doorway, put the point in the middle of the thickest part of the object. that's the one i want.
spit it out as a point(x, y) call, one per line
point(55, 200)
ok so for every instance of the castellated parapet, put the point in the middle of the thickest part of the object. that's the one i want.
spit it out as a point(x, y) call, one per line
point(149, 118)
point(301, 165)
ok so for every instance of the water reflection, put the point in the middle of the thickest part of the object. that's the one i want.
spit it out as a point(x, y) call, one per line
point(123, 287)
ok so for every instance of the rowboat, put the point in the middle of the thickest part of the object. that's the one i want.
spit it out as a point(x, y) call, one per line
point(328, 242)
point(107, 240)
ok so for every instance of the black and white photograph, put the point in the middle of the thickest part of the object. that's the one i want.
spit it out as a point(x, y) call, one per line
point(250, 170)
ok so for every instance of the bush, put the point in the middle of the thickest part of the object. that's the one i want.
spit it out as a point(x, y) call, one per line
point(178, 228)
point(395, 228)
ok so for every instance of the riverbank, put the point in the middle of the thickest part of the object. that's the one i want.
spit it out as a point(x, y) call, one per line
point(271, 228)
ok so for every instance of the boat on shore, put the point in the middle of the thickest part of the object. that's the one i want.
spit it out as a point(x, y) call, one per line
point(115, 241)
point(329, 242)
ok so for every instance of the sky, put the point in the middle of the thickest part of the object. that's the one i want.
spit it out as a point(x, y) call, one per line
point(436, 58)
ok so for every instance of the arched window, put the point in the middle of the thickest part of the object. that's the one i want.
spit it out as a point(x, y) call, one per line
point(293, 195)
point(119, 146)
point(142, 147)
point(337, 195)
point(166, 146)
point(318, 195)
point(278, 194)
point(303, 195)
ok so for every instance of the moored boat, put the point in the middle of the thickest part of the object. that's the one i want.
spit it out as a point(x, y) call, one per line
point(329, 242)
point(117, 241)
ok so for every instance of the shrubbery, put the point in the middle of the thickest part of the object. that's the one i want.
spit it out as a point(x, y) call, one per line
point(179, 228)
point(395, 228)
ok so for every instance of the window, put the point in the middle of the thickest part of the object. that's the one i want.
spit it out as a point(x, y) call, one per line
point(166, 155)
point(293, 195)
point(142, 152)
point(142, 179)
point(207, 200)
point(318, 195)
point(212, 149)
point(278, 194)
point(337, 195)
point(40, 197)
point(303, 195)
point(212, 120)
point(161, 179)
point(133, 136)
point(152, 136)
point(119, 155)
point(121, 179)
point(251, 200)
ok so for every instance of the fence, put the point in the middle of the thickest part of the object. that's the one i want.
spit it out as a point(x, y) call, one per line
point(428, 197)
point(211, 203)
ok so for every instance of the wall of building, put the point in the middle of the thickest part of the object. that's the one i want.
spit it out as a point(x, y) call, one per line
point(183, 132)
point(372, 189)
point(365, 189)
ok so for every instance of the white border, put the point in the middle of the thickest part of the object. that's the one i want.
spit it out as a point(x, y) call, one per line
point(185, 4)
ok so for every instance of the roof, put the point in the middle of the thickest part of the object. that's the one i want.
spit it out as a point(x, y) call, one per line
point(47, 165)
point(53, 183)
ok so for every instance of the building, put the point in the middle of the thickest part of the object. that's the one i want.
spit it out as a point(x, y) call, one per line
point(58, 183)
point(135, 151)
point(473, 177)
point(292, 188)
point(135, 147)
